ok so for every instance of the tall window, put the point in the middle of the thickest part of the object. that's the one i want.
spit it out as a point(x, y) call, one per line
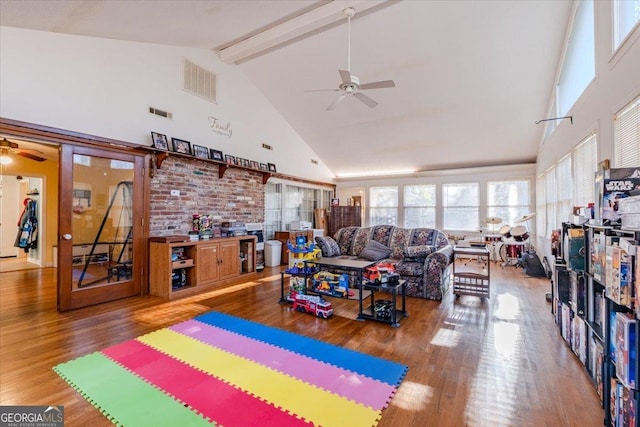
point(383, 206)
point(626, 135)
point(508, 200)
point(461, 208)
point(273, 209)
point(551, 193)
point(300, 203)
point(564, 189)
point(541, 205)
point(626, 14)
point(584, 163)
point(578, 67)
point(420, 206)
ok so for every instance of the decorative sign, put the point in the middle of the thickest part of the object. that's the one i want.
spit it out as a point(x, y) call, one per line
point(218, 127)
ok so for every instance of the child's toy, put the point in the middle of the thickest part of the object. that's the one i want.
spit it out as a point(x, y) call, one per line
point(302, 252)
point(312, 304)
point(336, 285)
point(384, 274)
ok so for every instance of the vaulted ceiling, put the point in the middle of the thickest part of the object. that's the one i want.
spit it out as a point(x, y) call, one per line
point(471, 77)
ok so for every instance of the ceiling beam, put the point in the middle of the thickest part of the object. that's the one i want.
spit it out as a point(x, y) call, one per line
point(308, 22)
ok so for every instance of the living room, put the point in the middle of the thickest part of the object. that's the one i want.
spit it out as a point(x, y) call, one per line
point(48, 82)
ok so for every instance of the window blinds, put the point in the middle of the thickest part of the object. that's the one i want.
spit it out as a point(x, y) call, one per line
point(584, 163)
point(626, 136)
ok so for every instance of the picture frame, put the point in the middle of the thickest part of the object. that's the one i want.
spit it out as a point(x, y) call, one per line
point(271, 167)
point(264, 167)
point(159, 141)
point(229, 159)
point(254, 164)
point(335, 202)
point(217, 155)
point(200, 151)
point(181, 146)
point(242, 162)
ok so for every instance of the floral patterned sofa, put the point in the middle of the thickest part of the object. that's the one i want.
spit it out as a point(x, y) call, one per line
point(423, 256)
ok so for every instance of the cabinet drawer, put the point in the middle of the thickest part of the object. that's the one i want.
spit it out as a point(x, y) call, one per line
point(182, 263)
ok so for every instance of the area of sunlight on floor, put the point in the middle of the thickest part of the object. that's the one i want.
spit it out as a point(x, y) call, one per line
point(412, 396)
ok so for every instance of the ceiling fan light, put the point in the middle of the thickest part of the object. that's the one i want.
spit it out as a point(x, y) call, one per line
point(5, 160)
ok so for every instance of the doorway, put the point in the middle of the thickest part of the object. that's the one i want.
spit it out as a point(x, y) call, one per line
point(21, 222)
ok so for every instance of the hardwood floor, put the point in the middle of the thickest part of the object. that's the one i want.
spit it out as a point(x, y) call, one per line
point(497, 363)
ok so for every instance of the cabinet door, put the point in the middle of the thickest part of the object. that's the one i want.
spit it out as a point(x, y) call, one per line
point(230, 259)
point(208, 263)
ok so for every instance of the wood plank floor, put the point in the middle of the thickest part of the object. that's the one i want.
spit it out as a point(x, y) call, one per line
point(497, 363)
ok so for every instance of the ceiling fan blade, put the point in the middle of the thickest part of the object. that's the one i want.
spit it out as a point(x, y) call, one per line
point(377, 85)
point(337, 101)
point(322, 90)
point(30, 156)
point(345, 76)
point(365, 99)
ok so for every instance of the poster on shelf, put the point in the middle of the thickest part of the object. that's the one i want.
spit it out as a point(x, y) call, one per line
point(614, 191)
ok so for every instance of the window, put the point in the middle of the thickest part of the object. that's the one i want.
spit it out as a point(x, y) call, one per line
point(508, 200)
point(626, 136)
point(383, 206)
point(626, 14)
point(300, 203)
point(578, 67)
point(460, 203)
point(564, 190)
point(584, 163)
point(272, 209)
point(541, 205)
point(420, 206)
point(551, 193)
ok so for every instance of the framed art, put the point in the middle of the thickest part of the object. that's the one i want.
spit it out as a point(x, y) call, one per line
point(217, 155)
point(263, 167)
point(181, 146)
point(242, 162)
point(159, 141)
point(230, 159)
point(200, 151)
point(254, 164)
point(272, 167)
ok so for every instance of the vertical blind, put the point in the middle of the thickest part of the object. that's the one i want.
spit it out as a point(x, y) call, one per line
point(584, 163)
point(626, 136)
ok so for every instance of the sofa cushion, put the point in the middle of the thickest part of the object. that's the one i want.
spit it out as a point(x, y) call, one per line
point(410, 268)
point(328, 246)
point(418, 252)
point(375, 251)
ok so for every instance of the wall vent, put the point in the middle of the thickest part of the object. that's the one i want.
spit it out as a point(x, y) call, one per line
point(267, 147)
point(315, 162)
point(199, 81)
point(161, 113)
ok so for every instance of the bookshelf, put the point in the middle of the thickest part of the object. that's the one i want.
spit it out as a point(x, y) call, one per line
point(595, 307)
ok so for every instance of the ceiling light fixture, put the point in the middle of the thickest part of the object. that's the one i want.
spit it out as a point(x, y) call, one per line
point(5, 160)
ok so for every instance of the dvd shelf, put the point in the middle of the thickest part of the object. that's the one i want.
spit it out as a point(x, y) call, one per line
point(595, 304)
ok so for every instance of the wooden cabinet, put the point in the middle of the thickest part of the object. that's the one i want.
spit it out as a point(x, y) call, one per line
point(344, 216)
point(290, 236)
point(201, 266)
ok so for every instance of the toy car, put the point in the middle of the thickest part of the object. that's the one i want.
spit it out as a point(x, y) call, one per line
point(312, 304)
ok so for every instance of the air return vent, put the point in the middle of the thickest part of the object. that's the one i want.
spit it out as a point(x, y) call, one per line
point(160, 113)
point(315, 162)
point(267, 147)
point(199, 81)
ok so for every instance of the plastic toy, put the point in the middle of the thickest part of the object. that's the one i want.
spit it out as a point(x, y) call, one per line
point(381, 274)
point(312, 304)
point(331, 284)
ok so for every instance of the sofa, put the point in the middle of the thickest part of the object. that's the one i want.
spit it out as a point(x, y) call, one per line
point(422, 256)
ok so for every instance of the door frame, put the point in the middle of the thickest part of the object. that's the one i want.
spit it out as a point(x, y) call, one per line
point(46, 134)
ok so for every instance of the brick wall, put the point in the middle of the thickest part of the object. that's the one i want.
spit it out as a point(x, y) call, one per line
point(239, 195)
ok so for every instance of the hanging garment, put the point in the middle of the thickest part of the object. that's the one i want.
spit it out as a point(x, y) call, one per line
point(27, 237)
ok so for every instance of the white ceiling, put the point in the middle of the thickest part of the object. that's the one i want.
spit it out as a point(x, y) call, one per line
point(472, 77)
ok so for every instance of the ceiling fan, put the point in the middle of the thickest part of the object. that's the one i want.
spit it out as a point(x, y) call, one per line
point(7, 147)
point(350, 84)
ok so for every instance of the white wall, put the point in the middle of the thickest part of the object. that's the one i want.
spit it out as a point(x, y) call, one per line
point(105, 87)
point(617, 82)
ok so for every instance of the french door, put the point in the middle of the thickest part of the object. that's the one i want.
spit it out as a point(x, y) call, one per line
point(100, 226)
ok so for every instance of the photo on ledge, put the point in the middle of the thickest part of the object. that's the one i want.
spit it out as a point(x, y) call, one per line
point(159, 141)
point(230, 159)
point(217, 155)
point(254, 164)
point(200, 151)
point(272, 167)
point(264, 167)
point(181, 146)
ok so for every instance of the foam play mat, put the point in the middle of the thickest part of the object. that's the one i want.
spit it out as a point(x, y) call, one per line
point(223, 370)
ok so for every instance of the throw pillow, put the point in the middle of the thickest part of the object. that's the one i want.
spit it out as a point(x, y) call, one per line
point(375, 251)
point(328, 246)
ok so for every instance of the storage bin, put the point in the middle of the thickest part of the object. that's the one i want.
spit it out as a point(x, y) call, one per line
point(272, 253)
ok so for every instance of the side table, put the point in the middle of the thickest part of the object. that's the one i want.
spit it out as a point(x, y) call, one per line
point(370, 313)
point(474, 277)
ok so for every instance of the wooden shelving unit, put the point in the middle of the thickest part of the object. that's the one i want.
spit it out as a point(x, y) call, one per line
point(206, 265)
